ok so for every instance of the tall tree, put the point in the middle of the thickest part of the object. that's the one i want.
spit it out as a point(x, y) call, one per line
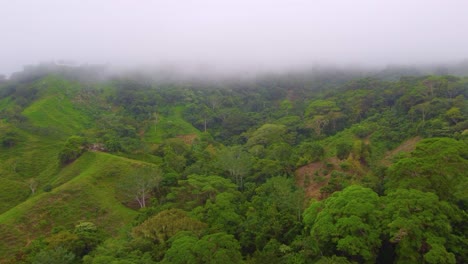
point(161, 227)
point(347, 222)
point(274, 214)
point(418, 226)
point(139, 185)
point(213, 248)
point(236, 162)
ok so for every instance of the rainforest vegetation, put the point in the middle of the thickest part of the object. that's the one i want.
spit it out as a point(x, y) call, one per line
point(328, 167)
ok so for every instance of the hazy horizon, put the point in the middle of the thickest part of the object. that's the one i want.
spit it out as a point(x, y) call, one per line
point(233, 35)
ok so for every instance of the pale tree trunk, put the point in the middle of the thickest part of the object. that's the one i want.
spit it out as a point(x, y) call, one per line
point(33, 183)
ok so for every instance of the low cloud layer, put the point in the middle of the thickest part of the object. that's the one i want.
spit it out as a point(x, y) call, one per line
point(241, 34)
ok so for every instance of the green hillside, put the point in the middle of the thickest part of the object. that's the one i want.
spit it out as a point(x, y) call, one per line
point(83, 191)
point(56, 114)
point(276, 169)
point(169, 126)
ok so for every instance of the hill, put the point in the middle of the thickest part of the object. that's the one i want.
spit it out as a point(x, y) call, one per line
point(267, 170)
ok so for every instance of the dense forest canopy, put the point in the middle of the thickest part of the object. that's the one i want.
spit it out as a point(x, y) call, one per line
point(305, 167)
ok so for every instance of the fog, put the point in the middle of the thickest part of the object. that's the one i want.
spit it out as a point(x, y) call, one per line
point(237, 35)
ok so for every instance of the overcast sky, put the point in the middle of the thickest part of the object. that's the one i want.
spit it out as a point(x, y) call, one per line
point(229, 34)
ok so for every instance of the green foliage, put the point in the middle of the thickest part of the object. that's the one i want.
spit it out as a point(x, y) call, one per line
point(139, 185)
point(258, 133)
point(197, 190)
point(9, 198)
point(223, 213)
point(347, 221)
point(82, 240)
point(9, 137)
point(170, 125)
point(438, 254)
point(236, 162)
point(320, 107)
point(333, 260)
point(83, 190)
point(47, 188)
point(267, 135)
point(214, 248)
point(343, 149)
point(264, 169)
point(418, 224)
point(275, 212)
point(117, 251)
point(437, 165)
point(55, 110)
point(73, 148)
point(54, 256)
point(161, 227)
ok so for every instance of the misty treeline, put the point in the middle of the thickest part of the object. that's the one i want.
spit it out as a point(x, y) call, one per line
point(283, 168)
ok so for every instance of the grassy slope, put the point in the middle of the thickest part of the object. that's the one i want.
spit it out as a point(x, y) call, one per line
point(170, 126)
point(51, 119)
point(55, 109)
point(86, 190)
point(83, 190)
point(9, 198)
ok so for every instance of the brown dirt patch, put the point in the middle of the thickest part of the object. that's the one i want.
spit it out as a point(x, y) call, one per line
point(314, 176)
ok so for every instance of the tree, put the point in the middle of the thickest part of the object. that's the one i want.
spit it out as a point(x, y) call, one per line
point(322, 112)
point(321, 107)
point(118, 251)
point(89, 238)
point(343, 149)
point(317, 123)
point(140, 184)
point(215, 100)
point(268, 134)
point(83, 239)
point(275, 213)
point(455, 115)
point(310, 152)
point(333, 260)
point(160, 228)
point(219, 248)
point(54, 256)
point(347, 222)
point(182, 250)
point(222, 214)
point(436, 85)
point(418, 225)
point(286, 105)
point(72, 149)
point(175, 153)
point(197, 190)
point(437, 165)
point(423, 109)
point(264, 169)
point(236, 162)
point(213, 248)
point(33, 183)
point(8, 135)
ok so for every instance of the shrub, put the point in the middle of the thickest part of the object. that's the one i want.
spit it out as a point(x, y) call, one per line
point(72, 149)
point(343, 149)
point(47, 188)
